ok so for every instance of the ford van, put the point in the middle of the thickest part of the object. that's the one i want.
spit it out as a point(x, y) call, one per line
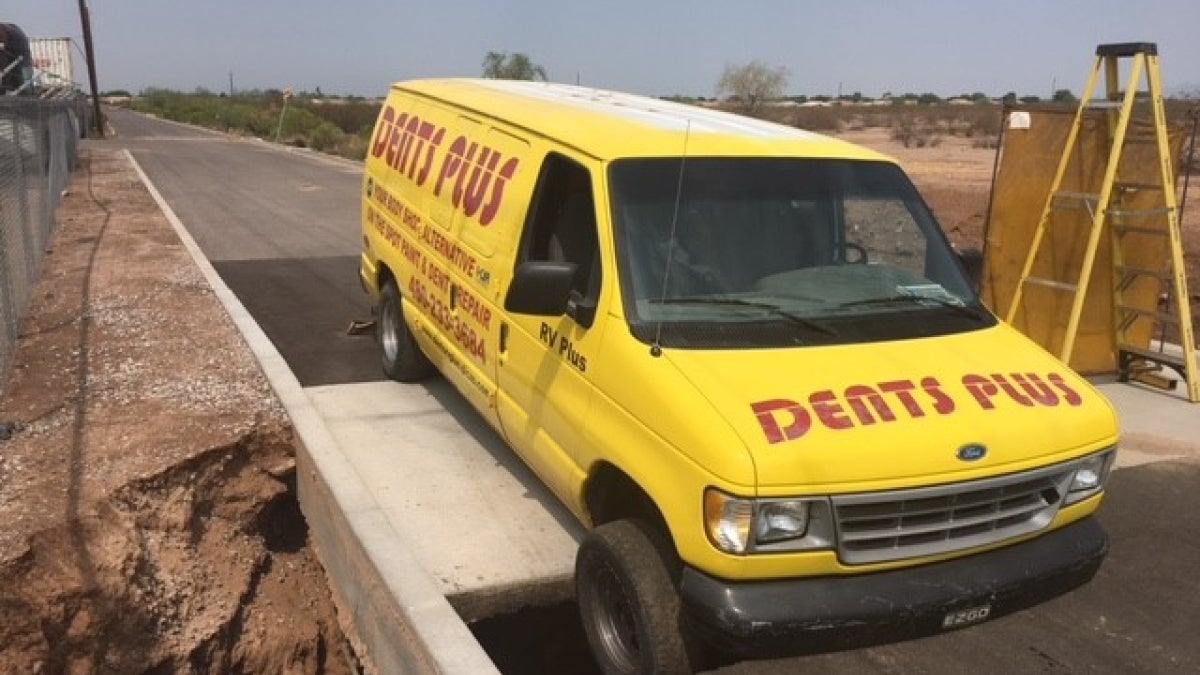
point(743, 355)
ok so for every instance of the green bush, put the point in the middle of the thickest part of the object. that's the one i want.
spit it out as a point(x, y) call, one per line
point(342, 128)
point(324, 136)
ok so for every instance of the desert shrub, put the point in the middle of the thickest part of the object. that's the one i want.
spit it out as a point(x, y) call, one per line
point(324, 136)
point(262, 123)
point(876, 119)
point(817, 118)
point(349, 116)
point(350, 146)
point(915, 131)
point(342, 128)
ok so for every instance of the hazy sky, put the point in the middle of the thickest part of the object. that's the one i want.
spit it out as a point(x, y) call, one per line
point(656, 47)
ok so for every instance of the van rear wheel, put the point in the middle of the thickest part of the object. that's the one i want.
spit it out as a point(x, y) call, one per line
point(628, 604)
point(399, 353)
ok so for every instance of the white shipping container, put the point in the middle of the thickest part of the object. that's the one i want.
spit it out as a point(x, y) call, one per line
point(52, 62)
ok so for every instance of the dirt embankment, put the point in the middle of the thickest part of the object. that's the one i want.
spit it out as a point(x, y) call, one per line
point(148, 518)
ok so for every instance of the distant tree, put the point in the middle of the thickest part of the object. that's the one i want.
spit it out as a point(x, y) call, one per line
point(1064, 96)
point(929, 98)
point(1030, 100)
point(980, 97)
point(516, 66)
point(752, 84)
point(1010, 98)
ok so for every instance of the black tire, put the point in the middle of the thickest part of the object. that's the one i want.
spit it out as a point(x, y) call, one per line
point(629, 604)
point(399, 353)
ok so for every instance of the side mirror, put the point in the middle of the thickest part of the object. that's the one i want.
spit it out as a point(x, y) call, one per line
point(581, 309)
point(541, 288)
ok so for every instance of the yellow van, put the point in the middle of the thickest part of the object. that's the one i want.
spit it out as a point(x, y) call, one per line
point(743, 354)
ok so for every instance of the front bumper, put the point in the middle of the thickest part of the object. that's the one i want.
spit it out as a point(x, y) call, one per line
point(828, 613)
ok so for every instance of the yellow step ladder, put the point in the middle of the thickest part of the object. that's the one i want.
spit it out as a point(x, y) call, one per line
point(1126, 226)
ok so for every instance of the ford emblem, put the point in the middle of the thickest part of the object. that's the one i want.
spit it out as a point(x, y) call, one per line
point(972, 453)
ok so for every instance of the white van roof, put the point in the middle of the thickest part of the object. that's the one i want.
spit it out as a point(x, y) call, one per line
point(608, 124)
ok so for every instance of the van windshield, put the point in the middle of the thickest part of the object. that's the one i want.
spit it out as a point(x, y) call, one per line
point(737, 252)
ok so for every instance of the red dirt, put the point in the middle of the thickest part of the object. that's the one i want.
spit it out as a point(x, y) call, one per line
point(147, 495)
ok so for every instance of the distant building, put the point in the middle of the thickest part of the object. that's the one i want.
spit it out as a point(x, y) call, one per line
point(53, 67)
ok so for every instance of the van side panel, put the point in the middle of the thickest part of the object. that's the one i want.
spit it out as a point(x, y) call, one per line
point(433, 179)
point(552, 353)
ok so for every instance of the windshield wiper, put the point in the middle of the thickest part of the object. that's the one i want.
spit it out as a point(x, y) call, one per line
point(738, 302)
point(916, 299)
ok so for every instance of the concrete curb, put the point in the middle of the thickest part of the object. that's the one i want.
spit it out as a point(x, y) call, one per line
point(398, 618)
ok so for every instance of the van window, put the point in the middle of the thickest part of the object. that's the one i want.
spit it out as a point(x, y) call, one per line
point(767, 252)
point(561, 225)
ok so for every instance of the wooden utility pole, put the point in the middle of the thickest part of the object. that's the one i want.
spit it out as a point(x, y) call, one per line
point(90, 55)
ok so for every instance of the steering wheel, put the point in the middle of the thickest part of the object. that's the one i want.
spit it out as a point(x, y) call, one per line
point(860, 257)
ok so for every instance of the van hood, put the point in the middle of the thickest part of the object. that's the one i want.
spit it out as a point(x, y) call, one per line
point(896, 414)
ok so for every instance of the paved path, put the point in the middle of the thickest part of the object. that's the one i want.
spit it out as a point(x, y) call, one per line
point(280, 227)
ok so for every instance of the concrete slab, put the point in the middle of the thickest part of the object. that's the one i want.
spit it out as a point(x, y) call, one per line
point(486, 530)
point(1156, 424)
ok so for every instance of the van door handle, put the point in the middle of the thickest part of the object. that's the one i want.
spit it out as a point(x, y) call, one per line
point(503, 338)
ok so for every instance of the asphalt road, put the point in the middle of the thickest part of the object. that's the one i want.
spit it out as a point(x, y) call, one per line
point(282, 230)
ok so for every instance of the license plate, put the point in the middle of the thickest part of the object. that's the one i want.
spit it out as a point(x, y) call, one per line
point(966, 617)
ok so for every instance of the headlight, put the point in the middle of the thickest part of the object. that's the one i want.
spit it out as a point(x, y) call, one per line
point(779, 521)
point(737, 525)
point(1090, 475)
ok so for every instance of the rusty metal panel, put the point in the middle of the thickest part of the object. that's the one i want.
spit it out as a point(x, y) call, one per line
point(53, 63)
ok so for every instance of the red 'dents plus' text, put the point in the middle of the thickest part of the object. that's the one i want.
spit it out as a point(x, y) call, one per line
point(864, 405)
point(473, 174)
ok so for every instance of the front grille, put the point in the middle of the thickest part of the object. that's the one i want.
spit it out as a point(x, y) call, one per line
point(885, 526)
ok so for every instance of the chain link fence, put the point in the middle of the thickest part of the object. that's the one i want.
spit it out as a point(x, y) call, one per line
point(39, 144)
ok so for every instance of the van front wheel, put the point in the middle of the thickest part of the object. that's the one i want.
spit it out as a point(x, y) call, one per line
point(399, 353)
point(628, 603)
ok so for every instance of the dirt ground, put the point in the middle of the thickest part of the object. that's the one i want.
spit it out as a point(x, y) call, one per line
point(147, 495)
